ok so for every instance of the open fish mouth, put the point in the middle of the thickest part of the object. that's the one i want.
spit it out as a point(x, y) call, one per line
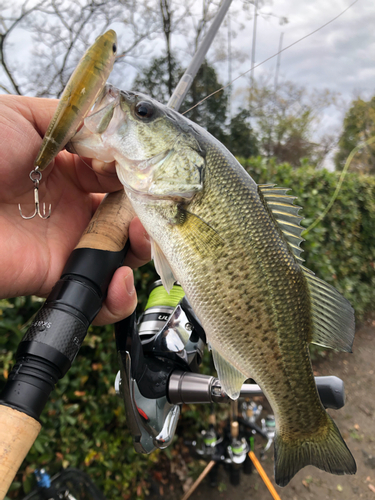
point(108, 94)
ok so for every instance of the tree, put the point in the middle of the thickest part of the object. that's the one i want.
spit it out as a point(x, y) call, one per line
point(285, 121)
point(181, 16)
point(211, 114)
point(241, 140)
point(60, 32)
point(155, 80)
point(359, 126)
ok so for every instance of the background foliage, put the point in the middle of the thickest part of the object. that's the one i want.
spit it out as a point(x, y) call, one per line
point(84, 424)
point(359, 126)
point(341, 248)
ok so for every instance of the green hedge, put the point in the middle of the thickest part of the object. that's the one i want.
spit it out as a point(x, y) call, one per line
point(84, 424)
point(341, 248)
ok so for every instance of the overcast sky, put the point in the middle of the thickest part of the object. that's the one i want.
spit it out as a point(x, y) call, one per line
point(340, 57)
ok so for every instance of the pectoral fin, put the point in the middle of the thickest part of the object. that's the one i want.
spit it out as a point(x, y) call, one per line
point(162, 266)
point(230, 378)
point(200, 235)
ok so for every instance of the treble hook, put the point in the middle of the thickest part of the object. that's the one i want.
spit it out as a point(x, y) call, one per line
point(36, 177)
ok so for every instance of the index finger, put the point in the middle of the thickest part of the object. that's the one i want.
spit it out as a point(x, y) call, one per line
point(23, 122)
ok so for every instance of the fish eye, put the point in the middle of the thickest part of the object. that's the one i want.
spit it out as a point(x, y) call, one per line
point(114, 48)
point(144, 109)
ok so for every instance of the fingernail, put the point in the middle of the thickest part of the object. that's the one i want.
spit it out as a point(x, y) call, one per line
point(109, 168)
point(147, 236)
point(129, 283)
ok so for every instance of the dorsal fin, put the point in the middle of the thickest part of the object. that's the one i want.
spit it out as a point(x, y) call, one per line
point(286, 215)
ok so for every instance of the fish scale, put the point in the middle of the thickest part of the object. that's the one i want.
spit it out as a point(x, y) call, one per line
point(234, 248)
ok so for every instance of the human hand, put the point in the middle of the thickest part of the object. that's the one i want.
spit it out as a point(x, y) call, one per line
point(34, 252)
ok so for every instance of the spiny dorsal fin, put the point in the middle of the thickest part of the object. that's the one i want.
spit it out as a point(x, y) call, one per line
point(286, 215)
point(332, 315)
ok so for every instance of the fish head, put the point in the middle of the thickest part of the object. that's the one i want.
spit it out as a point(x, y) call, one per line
point(155, 152)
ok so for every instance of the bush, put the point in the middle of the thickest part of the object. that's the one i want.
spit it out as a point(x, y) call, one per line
point(83, 424)
point(341, 248)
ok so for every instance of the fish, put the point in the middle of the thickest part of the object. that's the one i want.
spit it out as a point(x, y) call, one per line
point(234, 246)
point(80, 93)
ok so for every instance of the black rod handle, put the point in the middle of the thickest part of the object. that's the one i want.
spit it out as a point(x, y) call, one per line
point(52, 342)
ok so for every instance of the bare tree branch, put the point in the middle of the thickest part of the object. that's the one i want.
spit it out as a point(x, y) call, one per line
point(62, 30)
point(14, 22)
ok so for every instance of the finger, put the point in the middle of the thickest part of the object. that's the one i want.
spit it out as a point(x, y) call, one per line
point(140, 245)
point(38, 112)
point(93, 180)
point(121, 299)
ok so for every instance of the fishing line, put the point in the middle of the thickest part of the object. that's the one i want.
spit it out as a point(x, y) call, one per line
point(271, 57)
point(160, 297)
point(339, 184)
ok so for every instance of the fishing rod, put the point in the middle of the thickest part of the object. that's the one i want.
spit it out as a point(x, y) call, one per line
point(50, 345)
point(52, 342)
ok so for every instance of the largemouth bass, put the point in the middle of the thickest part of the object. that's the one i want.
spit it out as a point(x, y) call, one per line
point(234, 247)
point(80, 93)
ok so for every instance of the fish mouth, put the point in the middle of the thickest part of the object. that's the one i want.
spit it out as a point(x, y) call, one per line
point(136, 175)
point(108, 91)
point(145, 166)
point(109, 95)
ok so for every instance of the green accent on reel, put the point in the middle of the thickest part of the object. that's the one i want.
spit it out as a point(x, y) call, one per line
point(237, 449)
point(209, 441)
point(160, 297)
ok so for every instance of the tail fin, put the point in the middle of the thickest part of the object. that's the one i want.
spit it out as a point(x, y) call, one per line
point(326, 450)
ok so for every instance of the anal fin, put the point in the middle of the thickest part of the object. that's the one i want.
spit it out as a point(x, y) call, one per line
point(230, 378)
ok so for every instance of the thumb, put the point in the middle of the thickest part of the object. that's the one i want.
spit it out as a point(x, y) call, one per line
point(121, 299)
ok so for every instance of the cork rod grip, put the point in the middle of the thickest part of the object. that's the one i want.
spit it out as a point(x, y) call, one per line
point(109, 227)
point(18, 432)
